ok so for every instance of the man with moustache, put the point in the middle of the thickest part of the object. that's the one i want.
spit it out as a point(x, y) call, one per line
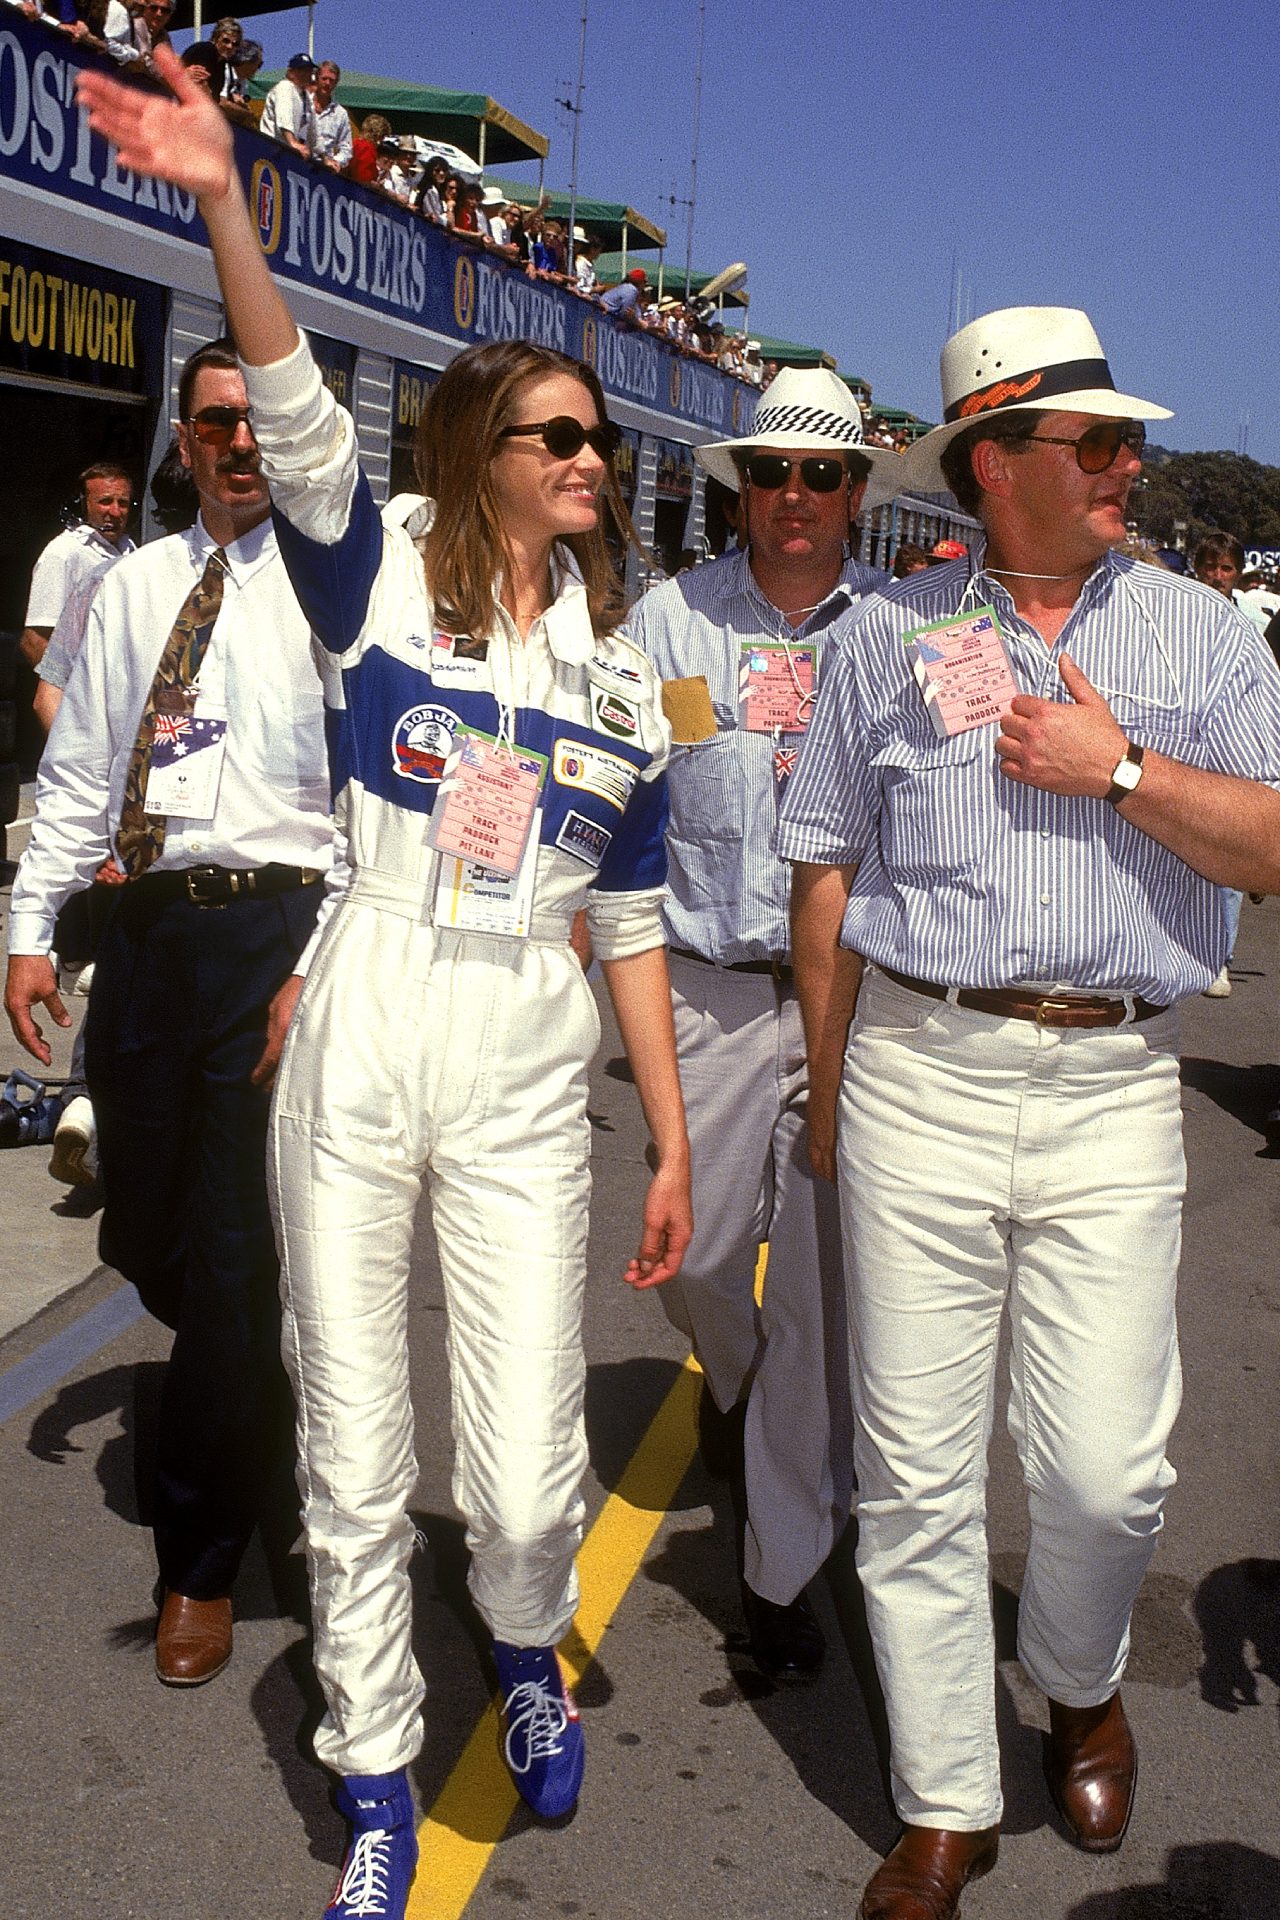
point(189, 747)
point(742, 645)
point(1026, 848)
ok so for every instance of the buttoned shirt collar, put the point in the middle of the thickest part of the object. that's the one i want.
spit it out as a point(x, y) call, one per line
point(738, 578)
point(244, 555)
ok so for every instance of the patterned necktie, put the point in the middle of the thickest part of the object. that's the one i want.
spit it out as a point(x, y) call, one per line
point(141, 836)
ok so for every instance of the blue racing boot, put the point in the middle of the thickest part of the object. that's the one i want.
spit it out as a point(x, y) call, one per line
point(383, 1851)
point(543, 1746)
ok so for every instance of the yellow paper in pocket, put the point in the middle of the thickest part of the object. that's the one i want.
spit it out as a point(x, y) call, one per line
point(687, 705)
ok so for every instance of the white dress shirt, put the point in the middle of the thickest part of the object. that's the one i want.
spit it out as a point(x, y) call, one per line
point(273, 799)
point(333, 133)
point(69, 560)
point(288, 110)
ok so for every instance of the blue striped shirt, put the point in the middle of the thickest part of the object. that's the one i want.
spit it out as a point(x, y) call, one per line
point(971, 879)
point(728, 894)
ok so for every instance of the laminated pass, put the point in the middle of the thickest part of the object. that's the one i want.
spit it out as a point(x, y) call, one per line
point(962, 668)
point(776, 685)
point(488, 797)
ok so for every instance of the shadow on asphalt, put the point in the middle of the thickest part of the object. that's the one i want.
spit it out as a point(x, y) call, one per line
point(1219, 1881)
point(125, 1461)
point(1237, 1608)
point(1248, 1094)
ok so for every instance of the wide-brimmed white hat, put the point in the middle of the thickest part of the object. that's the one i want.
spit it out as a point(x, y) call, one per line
point(808, 410)
point(1011, 361)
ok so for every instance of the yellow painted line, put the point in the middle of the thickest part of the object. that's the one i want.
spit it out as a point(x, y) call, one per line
point(478, 1799)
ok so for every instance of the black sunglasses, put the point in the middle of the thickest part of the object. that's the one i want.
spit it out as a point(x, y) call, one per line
point(769, 471)
point(564, 437)
point(1097, 447)
point(218, 426)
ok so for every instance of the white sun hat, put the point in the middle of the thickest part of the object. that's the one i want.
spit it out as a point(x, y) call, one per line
point(1011, 361)
point(807, 410)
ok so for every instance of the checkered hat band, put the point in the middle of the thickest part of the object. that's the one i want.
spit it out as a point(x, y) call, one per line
point(832, 426)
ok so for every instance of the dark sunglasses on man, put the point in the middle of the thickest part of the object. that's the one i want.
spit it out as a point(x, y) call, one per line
point(1097, 447)
point(218, 426)
point(769, 471)
point(564, 437)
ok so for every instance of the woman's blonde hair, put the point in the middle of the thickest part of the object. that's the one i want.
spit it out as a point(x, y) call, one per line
point(458, 435)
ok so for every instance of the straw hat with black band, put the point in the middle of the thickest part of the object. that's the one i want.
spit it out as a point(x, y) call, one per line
point(807, 410)
point(1020, 360)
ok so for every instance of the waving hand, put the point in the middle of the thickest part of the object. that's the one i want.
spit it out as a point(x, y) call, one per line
point(185, 140)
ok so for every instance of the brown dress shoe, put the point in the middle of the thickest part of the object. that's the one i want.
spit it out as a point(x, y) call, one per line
point(193, 1640)
point(1092, 1768)
point(928, 1870)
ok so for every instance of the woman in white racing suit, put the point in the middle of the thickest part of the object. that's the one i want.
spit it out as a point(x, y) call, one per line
point(497, 758)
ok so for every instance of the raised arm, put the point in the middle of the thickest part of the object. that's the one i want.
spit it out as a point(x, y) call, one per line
point(187, 141)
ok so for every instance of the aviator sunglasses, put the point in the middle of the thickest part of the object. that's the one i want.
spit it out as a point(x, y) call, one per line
point(1096, 449)
point(564, 437)
point(218, 426)
point(769, 471)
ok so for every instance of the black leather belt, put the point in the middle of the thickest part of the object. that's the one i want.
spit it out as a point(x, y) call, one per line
point(219, 886)
point(1047, 1010)
point(780, 969)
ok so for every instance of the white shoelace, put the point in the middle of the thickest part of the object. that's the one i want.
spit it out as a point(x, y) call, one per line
point(539, 1719)
point(364, 1884)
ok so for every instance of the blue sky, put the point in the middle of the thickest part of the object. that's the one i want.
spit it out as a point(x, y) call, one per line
point(1122, 160)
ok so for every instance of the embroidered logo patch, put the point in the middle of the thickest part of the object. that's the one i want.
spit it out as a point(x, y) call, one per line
point(584, 839)
point(618, 671)
point(593, 770)
point(614, 714)
point(422, 742)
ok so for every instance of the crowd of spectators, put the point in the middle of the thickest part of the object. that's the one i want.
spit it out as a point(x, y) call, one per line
point(879, 433)
point(304, 113)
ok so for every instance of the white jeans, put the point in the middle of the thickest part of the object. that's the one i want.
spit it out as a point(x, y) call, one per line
point(457, 1062)
point(980, 1158)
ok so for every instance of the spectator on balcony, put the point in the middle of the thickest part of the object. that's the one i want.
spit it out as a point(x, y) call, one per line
point(247, 63)
point(228, 38)
point(431, 189)
point(494, 207)
point(334, 139)
point(628, 300)
point(909, 559)
point(206, 66)
point(469, 215)
point(374, 129)
point(588, 248)
point(288, 115)
point(399, 175)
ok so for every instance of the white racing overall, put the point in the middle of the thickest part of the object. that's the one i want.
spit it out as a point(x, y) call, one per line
point(420, 1053)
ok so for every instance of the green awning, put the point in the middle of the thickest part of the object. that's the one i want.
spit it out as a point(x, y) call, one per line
point(471, 121)
point(791, 353)
point(605, 217)
point(610, 266)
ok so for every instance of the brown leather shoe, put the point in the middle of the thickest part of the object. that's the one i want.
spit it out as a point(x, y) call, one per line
point(1092, 1768)
point(193, 1640)
point(928, 1870)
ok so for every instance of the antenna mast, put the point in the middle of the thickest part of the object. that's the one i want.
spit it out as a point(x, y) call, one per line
point(576, 110)
point(693, 163)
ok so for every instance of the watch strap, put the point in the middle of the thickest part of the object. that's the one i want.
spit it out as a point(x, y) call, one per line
point(1121, 789)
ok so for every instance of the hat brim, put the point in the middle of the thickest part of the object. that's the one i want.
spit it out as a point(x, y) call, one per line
point(923, 460)
point(884, 481)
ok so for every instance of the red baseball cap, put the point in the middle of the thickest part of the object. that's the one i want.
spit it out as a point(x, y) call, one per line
point(949, 550)
point(639, 276)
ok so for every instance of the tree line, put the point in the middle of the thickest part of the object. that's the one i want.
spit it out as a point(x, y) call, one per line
point(1207, 492)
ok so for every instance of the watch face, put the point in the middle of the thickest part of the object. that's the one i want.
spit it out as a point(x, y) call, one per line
point(1127, 775)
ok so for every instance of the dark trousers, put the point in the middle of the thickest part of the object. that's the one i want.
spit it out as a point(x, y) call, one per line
point(176, 1023)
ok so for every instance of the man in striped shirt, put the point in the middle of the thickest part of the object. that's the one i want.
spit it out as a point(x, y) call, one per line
point(746, 637)
point(1032, 897)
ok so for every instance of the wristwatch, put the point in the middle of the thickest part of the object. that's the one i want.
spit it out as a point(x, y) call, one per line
point(1126, 776)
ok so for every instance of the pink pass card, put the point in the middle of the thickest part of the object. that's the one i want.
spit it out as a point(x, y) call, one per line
point(486, 802)
point(963, 670)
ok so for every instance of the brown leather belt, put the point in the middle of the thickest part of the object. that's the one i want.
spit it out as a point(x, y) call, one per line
point(1047, 1010)
point(780, 969)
